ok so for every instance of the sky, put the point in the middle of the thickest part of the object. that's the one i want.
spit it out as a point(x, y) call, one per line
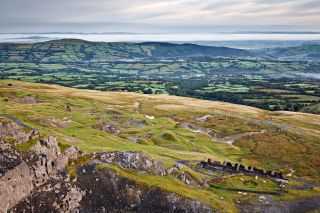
point(158, 16)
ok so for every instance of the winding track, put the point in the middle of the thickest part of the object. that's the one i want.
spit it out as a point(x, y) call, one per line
point(17, 121)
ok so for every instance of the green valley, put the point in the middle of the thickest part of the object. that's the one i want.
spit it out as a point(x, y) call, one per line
point(213, 73)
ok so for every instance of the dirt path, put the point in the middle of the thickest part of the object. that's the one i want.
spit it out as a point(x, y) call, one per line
point(194, 128)
point(17, 121)
point(230, 139)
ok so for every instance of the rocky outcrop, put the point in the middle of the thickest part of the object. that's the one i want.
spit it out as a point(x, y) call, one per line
point(36, 180)
point(10, 131)
point(104, 191)
point(109, 192)
point(132, 160)
point(15, 185)
point(56, 195)
point(22, 173)
point(142, 162)
point(184, 176)
point(51, 160)
point(9, 159)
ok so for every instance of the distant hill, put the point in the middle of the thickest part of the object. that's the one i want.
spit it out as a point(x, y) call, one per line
point(74, 50)
point(169, 50)
point(309, 52)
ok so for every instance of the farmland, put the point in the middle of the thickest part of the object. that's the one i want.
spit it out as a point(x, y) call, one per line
point(224, 74)
point(249, 89)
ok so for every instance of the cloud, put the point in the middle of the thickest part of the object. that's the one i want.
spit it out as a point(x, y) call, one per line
point(159, 13)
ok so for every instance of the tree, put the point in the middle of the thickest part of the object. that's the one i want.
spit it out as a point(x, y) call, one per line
point(147, 91)
point(276, 108)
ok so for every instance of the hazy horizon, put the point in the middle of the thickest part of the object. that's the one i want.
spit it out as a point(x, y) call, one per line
point(119, 36)
point(159, 20)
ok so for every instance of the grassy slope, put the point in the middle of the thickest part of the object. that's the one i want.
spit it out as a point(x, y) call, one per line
point(296, 149)
point(304, 53)
point(312, 109)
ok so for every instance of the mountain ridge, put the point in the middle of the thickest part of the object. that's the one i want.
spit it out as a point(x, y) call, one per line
point(82, 50)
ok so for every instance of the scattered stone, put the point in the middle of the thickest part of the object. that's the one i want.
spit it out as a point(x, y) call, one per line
point(204, 118)
point(97, 162)
point(179, 166)
point(262, 198)
point(133, 139)
point(137, 105)
point(107, 127)
point(69, 108)
point(169, 171)
point(149, 117)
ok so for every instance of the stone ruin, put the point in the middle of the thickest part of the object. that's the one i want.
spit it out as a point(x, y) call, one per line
point(238, 168)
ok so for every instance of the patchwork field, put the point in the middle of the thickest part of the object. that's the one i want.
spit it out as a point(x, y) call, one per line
point(253, 78)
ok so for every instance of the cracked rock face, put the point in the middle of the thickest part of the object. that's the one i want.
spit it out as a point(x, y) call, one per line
point(103, 191)
point(11, 131)
point(22, 173)
point(9, 159)
point(106, 191)
point(51, 160)
point(56, 195)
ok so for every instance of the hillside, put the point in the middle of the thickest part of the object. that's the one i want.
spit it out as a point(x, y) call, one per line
point(124, 137)
point(308, 52)
point(73, 50)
